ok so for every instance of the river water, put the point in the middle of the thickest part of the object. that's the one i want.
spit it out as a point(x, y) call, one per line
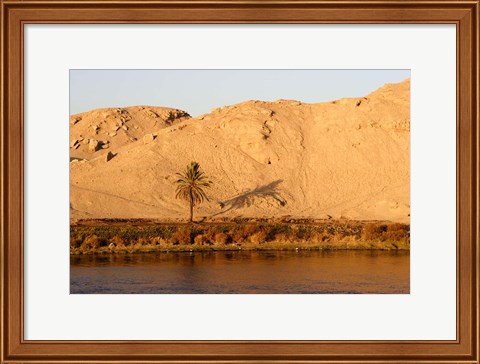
point(343, 271)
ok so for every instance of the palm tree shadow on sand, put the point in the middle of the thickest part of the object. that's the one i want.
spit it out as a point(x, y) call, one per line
point(248, 198)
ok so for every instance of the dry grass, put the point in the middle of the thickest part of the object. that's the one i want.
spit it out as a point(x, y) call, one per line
point(183, 236)
point(117, 241)
point(384, 232)
point(232, 236)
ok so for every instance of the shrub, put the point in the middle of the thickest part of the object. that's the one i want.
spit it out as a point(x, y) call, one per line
point(242, 232)
point(238, 236)
point(142, 242)
point(258, 238)
point(391, 232)
point(117, 241)
point(302, 233)
point(156, 240)
point(373, 231)
point(201, 240)
point(398, 227)
point(183, 236)
point(282, 237)
point(93, 242)
point(270, 232)
point(318, 237)
point(396, 235)
point(209, 236)
point(75, 242)
point(221, 238)
point(249, 229)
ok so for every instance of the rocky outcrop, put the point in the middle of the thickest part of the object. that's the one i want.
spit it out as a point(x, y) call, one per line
point(117, 127)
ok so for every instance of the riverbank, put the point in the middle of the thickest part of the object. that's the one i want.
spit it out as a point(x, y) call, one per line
point(136, 236)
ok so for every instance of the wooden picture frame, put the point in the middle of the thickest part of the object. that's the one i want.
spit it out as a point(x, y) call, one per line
point(16, 13)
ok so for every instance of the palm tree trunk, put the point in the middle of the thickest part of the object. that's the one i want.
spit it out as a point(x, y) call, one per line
point(191, 206)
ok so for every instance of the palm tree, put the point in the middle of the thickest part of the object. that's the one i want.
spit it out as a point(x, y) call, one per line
point(191, 185)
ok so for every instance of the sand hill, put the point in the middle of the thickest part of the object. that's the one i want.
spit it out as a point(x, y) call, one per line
point(112, 128)
point(348, 158)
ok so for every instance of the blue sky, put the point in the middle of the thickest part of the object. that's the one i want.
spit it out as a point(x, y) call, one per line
point(199, 91)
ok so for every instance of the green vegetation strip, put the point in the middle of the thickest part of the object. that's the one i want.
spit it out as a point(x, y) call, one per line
point(234, 236)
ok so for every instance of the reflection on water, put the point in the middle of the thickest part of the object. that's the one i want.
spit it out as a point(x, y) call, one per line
point(243, 272)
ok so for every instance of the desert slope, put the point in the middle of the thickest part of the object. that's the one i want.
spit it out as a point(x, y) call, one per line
point(343, 159)
point(111, 128)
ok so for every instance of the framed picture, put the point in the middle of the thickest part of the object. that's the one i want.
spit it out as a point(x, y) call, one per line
point(239, 181)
